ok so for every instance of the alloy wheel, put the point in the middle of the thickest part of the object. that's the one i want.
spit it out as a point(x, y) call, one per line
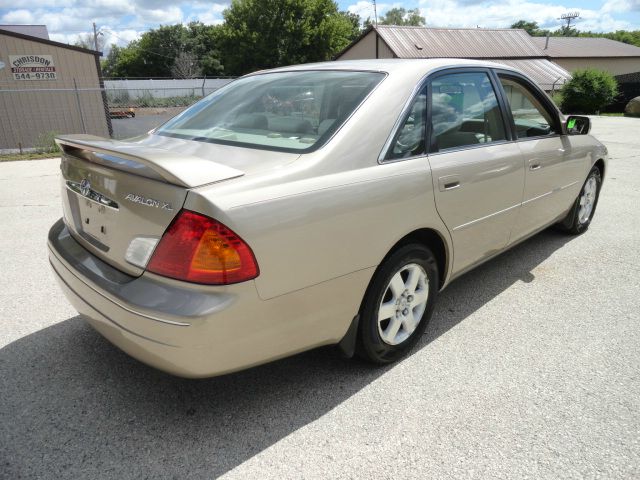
point(587, 200)
point(403, 304)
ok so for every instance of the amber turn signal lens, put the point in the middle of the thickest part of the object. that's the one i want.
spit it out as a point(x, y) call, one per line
point(199, 249)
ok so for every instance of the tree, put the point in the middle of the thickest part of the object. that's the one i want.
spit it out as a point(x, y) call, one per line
point(355, 21)
point(588, 91)
point(109, 64)
point(632, 37)
point(566, 31)
point(531, 28)
point(403, 17)
point(185, 65)
point(259, 34)
point(85, 40)
point(202, 41)
point(155, 53)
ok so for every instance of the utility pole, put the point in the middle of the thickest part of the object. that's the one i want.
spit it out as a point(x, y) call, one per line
point(95, 37)
point(568, 17)
point(375, 14)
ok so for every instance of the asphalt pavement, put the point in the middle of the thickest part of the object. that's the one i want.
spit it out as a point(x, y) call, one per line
point(529, 369)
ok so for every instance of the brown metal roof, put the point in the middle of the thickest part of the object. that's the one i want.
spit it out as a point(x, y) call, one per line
point(39, 31)
point(49, 42)
point(545, 73)
point(421, 42)
point(585, 47)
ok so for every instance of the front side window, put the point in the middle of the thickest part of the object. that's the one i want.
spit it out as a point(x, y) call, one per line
point(464, 111)
point(531, 118)
point(286, 111)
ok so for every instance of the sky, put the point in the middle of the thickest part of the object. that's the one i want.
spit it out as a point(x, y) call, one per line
point(123, 20)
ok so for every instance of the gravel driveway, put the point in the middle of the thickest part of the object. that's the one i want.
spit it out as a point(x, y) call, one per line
point(529, 369)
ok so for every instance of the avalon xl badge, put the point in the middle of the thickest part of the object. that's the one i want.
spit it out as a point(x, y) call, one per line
point(148, 202)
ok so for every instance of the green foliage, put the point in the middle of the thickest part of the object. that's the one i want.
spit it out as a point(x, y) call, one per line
point(110, 65)
point(183, 101)
point(45, 143)
point(557, 98)
point(631, 37)
point(355, 21)
point(588, 91)
point(259, 34)
point(531, 28)
point(156, 52)
point(121, 99)
point(403, 17)
point(118, 98)
point(13, 157)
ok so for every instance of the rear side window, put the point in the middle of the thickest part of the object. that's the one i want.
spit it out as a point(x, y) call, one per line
point(409, 140)
point(531, 118)
point(464, 111)
point(287, 111)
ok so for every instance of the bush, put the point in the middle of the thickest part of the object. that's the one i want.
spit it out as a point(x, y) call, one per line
point(46, 143)
point(118, 98)
point(588, 91)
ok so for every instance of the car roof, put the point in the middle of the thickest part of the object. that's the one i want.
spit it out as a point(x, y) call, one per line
point(394, 65)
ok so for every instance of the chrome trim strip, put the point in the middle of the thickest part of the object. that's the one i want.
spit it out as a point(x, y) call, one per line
point(537, 198)
point(471, 146)
point(477, 220)
point(92, 195)
point(569, 185)
point(555, 190)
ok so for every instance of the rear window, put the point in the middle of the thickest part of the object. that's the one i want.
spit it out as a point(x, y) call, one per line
point(287, 111)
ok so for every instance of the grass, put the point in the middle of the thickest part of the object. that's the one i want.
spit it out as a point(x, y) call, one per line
point(147, 101)
point(15, 157)
point(612, 114)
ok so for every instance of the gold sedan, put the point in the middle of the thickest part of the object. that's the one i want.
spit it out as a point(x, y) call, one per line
point(313, 205)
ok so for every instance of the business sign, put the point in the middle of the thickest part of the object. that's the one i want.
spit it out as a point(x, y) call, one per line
point(32, 67)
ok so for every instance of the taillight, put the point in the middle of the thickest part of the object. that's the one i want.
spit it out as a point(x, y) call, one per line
point(199, 249)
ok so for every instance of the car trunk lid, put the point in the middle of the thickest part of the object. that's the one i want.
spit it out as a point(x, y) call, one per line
point(119, 197)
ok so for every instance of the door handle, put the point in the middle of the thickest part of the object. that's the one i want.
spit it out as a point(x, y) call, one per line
point(537, 166)
point(448, 182)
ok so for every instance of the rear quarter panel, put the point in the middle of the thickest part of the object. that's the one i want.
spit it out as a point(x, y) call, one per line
point(313, 230)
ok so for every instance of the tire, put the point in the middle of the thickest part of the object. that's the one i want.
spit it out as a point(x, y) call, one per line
point(579, 217)
point(383, 340)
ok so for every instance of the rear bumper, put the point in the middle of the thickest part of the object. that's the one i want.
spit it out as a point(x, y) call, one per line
point(199, 331)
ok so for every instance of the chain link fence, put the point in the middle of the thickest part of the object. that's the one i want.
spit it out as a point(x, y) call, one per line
point(31, 117)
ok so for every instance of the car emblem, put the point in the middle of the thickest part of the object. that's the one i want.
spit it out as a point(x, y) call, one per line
point(85, 187)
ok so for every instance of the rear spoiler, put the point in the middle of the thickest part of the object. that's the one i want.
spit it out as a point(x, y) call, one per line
point(178, 169)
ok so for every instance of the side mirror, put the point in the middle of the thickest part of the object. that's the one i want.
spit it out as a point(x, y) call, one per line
point(577, 125)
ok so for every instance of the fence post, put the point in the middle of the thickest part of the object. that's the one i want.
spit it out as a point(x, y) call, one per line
point(204, 79)
point(75, 87)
